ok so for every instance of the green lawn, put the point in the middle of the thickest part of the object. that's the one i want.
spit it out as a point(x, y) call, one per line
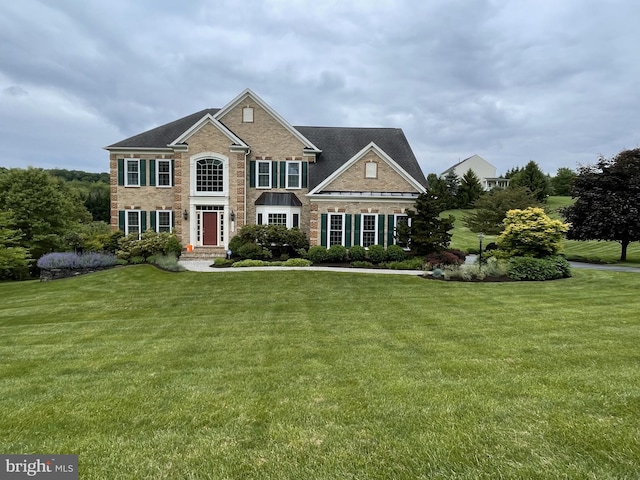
point(591, 251)
point(322, 375)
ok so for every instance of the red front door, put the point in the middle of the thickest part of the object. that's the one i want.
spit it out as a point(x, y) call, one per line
point(209, 228)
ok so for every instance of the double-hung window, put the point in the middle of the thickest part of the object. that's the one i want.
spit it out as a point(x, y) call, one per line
point(163, 173)
point(336, 229)
point(132, 172)
point(132, 224)
point(369, 230)
point(294, 174)
point(163, 221)
point(264, 174)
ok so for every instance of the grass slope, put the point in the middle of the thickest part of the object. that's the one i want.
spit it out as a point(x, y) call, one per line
point(591, 251)
point(321, 375)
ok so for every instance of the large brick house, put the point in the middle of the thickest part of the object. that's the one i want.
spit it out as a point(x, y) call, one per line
point(206, 175)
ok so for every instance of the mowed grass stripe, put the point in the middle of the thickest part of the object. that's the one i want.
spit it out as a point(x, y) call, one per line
point(323, 375)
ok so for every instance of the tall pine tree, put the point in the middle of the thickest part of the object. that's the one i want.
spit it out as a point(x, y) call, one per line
point(429, 232)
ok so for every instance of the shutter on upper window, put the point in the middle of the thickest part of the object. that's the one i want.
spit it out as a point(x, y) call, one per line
point(173, 182)
point(283, 174)
point(274, 174)
point(252, 174)
point(143, 173)
point(305, 174)
point(152, 173)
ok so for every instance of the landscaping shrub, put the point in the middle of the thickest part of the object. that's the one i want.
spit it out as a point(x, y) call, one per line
point(362, 264)
point(253, 251)
point(75, 261)
point(297, 262)
point(251, 263)
point(235, 243)
point(166, 262)
point(442, 259)
point(337, 253)
point(223, 262)
point(317, 254)
point(279, 240)
point(539, 269)
point(415, 263)
point(150, 243)
point(357, 253)
point(464, 272)
point(376, 254)
point(395, 253)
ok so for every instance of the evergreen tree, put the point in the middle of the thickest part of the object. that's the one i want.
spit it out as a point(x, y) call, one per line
point(469, 190)
point(532, 178)
point(439, 189)
point(429, 232)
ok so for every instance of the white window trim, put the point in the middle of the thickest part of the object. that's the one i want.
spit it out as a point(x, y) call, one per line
point(158, 161)
point(126, 172)
point(375, 235)
point(371, 170)
point(194, 178)
point(265, 210)
point(342, 240)
point(258, 163)
point(126, 221)
point(296, 187)
point(158, 212)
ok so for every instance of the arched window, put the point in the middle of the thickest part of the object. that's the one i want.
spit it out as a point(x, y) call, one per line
point(209, 175)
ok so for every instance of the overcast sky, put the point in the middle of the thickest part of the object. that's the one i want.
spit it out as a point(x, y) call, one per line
point(554, 81)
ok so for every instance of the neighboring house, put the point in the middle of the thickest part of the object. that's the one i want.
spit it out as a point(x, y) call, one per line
point(206, 175)
point(485, 172)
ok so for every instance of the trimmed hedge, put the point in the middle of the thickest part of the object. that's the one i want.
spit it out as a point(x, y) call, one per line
point(539, 269)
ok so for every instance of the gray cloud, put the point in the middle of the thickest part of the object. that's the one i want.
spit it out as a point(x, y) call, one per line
point(554, 82)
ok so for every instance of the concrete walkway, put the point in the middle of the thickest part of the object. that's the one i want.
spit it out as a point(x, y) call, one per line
point(205, 266)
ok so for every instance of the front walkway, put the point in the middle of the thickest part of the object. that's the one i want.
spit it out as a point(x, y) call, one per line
point(204, 266)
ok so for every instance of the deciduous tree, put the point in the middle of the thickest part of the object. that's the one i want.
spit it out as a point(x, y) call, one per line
point(607, 205)
point(531, 232)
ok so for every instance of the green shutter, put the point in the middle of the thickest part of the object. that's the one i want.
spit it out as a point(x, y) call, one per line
point(356, 236)
point(283, 174)
point(347, 230)
point(274, 174)
point(252, 174)
point(390, 227)
point(323, 229)
point(173, 182)
point(152, 173)
point(173, 219)
point(152, 220)
point(143, 221)
point(305, 174)
point(143, 173)
point(121, 172)
point(381, 229)
point(121, 220)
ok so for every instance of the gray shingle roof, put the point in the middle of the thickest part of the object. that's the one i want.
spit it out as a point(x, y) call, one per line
point(339, 144)
point(163, 135)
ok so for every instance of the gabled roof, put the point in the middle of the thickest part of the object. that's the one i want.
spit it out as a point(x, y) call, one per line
point(248, 93)
point(208, 119)
point(162, 136)
point(452, 167)
point(341, 144)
